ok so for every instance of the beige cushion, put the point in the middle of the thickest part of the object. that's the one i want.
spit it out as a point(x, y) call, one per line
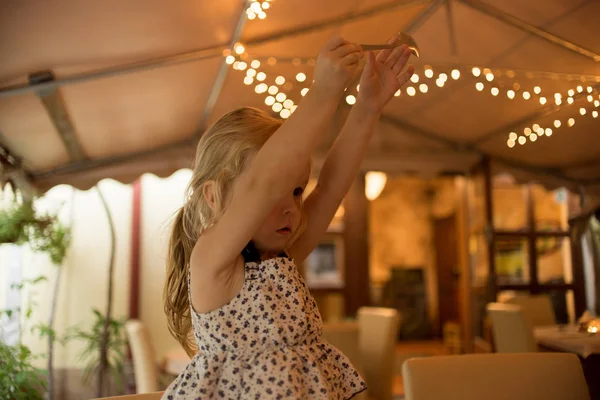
point(512, 332)
point(538, 309)
point(524, 376)
point(144, 358)
point(143, 396)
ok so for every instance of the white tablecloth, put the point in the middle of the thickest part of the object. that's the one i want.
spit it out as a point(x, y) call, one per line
point(568, 339)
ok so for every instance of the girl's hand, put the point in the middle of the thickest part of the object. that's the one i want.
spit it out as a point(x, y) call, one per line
point(336, 65)
point(383, 76)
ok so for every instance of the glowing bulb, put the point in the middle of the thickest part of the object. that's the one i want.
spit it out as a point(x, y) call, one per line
point(495, 91)
point(423, 88)
point(304, 91)
point(285, 113)
point(236, 65)
point(293, 108)
point(428, 72)
point(270, 100)
point(557, 123)
point(571, 122)
point(570, 100)
point(261, 76)
point(596, 103)
point(510, 143)
point(558, 101)
point(455, 74)
point(511, 94)
point(280, 80)
point(288, 104)
point(398, 92)
point(522, 140)
point(350, 99)
point(582, 111)
point(411, 91)
point(479, 86)
point(251, 14)
point(300, 77)
point(255, 64)
point(262, 15)
point(414, 78)
point(527, 131)
point(229, 59)
point(476, 72)
point(256, 7)
point(251, 72)
point(526, 95)
point(535, 127)
point(261, 88)
point(374, 184)
point(443, 77)
point(595, 114)
point(571, 93)
point(273, 89)
point(265, 5)
point(540, 131)
point(557, 96)
point(439, 82)
point(512, 136)
point(489, 77)
point(248, 80)
point(548, 132)
point(590, 98)
point(277, 107)
point(358, 88)
point(542, 100)
point(239, 49)
point(590, 89)
point(579, 89)
point(533, 137)
point(537, 90)
point(280, 97)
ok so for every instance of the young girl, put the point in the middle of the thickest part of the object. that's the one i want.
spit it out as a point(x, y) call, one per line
point(231, 278)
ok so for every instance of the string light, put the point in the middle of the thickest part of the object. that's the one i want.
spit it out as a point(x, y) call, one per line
point(571, 93)
point(270, 100)
point(280, 97)
point(495, 91)
point(542, 100)
point(479, 86)
point(350, 99)
point(476, 72)
point(398, 92)
point(428, 72)
point(285, 113)
point(557, 123)
point(411, 91)
point(277, 107)
point(423, 88)
point(455, 74)
point(229, 59)
point(510, 94)
point(443, 77)
point(255, 64)
point(571, 122)
point(522, 140)
point(548, 131)
point(527, 131)
point(239, 48)
point(489, 76)
point(439, 82)
point(304, 91)
point(414, 78)
point(533, 137)
point(273, 89)
point(280, 80)
point(582, 111)
point(590, 89)
point(510, 143)
point(248, 80)
point(526, 95)
point(595, 114)
point(537, 90)
point(288, 104)
point(300, 77)
point(579, 89)
point(590, 98)
point(570, 100)
point(261, 76)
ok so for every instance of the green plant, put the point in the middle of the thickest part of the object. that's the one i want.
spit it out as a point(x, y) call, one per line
point(92, 339)
point(19, 379)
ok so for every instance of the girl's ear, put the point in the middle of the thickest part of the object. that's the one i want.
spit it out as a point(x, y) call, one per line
point(208, 191)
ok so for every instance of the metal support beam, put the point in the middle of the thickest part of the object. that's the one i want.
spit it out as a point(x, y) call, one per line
point(509, 19)
point(219, 81)
point(423, 16)
point(55, 107)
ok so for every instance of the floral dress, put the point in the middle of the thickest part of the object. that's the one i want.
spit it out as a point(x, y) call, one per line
point(265, 344)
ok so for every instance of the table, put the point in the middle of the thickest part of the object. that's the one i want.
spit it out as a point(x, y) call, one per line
point(567, 338)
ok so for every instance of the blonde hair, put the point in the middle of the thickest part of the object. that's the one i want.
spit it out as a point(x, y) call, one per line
point(221, 156)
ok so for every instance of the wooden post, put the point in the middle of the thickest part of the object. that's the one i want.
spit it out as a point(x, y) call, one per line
point(134, 285)
point(356, 248)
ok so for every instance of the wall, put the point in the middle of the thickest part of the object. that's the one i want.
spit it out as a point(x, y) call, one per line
point(401, 230)
point(84, 279)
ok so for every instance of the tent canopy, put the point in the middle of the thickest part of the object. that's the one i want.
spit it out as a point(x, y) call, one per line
point(99, 89)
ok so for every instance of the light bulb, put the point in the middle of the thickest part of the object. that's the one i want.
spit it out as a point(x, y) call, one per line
point(248, 80)
point(511, 94)
point(261, 76)
point(411, 91)
point(280, 97)
point(255, 6)
point(414, 78)
point(374, 184)
point(229, 59)
point(570, 100)
point(398, 92)
point(582, 111)
point(542, 100)
point(510, 143)
point(590, 98)
point(350, 99)
point(476, 72)
point(579, 89)
point(595, 114)
point(288, 104)
point(489, 77)
point(239, 48)
point(443, 77)
point(285, 113)
point(428, 72)
point(423, 88)
point(273, 89)
point(558, 101)
point(277, 107)
point(512, 136)
point(304, 91)
point(265, 5)
point(495, 91)
point(527, 131)
point(535, 127)
point(526, 95)
point(571, 93)
point(533, 137)
point(300, 77)
point(262, 15)
point(439, 82)
point(596, 103)
point(590, 89)
point(251, 14)
point(251, 72)
point(537, 90)
point(255, 64)
point(270, 100)
point(479, 86)
point(571, 122)
point(557, 123)
point(280, 80)
point(522, 140)
point(455, 74)
point(557, 96)
point(548, 132)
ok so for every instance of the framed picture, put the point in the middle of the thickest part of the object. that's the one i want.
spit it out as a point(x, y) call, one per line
point(323, 268)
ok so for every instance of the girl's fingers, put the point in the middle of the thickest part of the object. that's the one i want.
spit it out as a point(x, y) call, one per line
point(384, 54)
point(405, 76)
point(395, 55)
point(346, 49)
point(352, 58)
point(401, 61)
point(333, 43)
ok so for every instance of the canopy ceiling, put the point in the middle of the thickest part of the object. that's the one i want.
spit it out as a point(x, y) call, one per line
point(134, 83)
